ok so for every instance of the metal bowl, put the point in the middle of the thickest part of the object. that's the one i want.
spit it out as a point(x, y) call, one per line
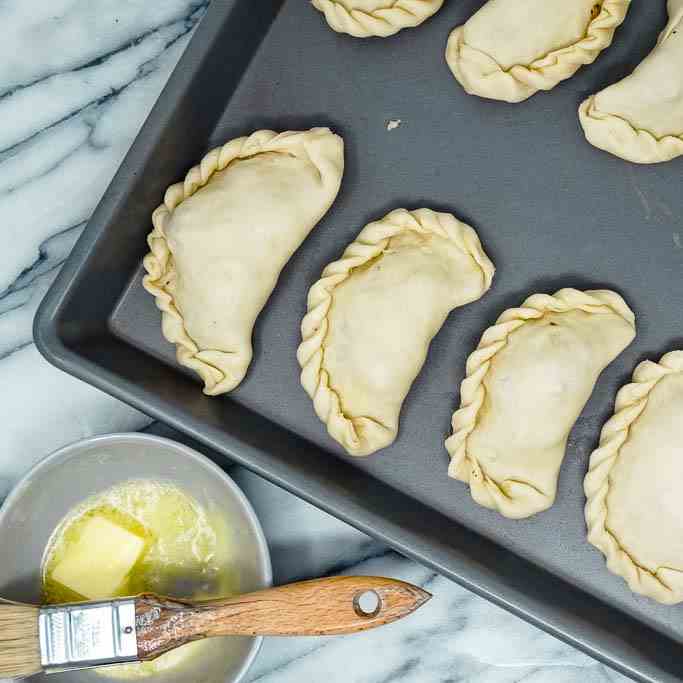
point(68, 476)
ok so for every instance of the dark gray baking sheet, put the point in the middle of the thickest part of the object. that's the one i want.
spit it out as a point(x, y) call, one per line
point(551, 211)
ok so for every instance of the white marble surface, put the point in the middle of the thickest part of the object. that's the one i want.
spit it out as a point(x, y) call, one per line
point(77, 78)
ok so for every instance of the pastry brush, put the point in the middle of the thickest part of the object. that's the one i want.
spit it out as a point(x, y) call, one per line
point(88, 634)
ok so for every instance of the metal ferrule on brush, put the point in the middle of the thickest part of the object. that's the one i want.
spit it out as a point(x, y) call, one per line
point(80, 636)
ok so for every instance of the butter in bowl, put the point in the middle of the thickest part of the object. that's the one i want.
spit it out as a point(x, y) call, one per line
point(137, 558)
point(124, 514)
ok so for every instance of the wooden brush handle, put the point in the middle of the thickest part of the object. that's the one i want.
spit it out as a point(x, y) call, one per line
point(311, 608)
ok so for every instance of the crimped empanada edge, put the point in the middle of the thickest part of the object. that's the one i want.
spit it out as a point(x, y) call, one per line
point(521, 81)
point(666, 584)
point(363, 436)
point(463, 465)
point(619, 136)
point(380, 23)
point(220, 370)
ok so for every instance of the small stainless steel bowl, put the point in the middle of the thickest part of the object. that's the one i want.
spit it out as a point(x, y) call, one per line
point(68, 476)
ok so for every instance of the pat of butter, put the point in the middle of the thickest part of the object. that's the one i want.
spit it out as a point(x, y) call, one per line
point(99, 562)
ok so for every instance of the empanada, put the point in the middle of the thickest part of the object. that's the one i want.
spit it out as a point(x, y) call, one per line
point(511, 49)
point(382, 18)
point(222, 236)
point(526, 384)
point(634, 508)
point(373, 314)
point(640, 118)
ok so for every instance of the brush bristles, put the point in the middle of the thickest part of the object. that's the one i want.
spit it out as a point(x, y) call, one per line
point(19, 640)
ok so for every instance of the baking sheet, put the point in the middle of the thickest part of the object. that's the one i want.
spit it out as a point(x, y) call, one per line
point(551, 211)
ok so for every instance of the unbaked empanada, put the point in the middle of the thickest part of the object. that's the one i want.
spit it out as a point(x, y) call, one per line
point(373, 314)
point(640, 118)
point(526, 384)
point(511, 49)
point(382, 18)
point(634, 508)
point(222, 236)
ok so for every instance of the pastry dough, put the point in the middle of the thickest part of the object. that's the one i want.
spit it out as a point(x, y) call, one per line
point(640, 118)
point(222, 236)
point(634, 509)
point(373, 314)
point(526, 384)
point(511, 49)
point(382, 18)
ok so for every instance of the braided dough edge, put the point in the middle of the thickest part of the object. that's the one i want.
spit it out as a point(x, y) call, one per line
point(380, 22)
point(480, 74)
point(666, 584)
point(362, 435)
point(618, 136)
point(220, 370)
point(505, 497)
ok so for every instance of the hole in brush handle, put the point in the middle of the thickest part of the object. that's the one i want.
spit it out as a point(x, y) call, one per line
point(367, 604)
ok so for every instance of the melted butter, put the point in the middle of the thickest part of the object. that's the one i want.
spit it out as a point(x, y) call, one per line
point(188, 554)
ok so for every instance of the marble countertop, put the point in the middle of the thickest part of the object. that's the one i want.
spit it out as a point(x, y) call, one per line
point(77, 79)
